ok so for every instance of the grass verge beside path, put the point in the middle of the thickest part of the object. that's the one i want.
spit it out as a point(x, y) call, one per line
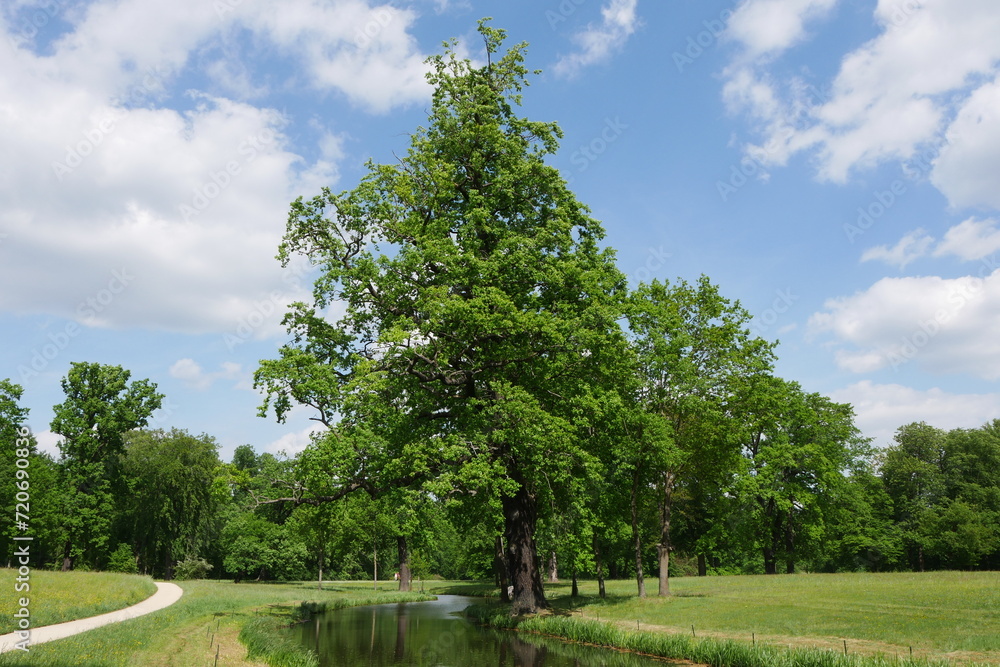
point(208, 618)
point(57, 597)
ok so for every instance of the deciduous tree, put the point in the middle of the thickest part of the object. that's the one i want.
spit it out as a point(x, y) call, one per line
point(464, 310)
point(101, 406)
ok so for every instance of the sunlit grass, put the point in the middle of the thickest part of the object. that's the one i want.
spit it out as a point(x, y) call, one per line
point(932, 611)
point(55, 597)
point(207, 618)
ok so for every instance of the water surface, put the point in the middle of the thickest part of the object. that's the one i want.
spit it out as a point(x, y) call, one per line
point(436, 634)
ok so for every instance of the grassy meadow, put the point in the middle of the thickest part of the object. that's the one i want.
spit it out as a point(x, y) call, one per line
point(56, 597)
point(943, 616)
point(934, 612)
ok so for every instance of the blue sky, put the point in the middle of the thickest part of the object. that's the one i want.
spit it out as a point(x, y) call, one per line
point(832, 164)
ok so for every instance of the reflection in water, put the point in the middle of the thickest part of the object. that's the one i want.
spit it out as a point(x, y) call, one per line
point(435, 634)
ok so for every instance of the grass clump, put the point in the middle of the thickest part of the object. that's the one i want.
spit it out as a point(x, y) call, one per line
point(265, 640)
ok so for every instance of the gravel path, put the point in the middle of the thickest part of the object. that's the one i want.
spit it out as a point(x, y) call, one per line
point(165, 595)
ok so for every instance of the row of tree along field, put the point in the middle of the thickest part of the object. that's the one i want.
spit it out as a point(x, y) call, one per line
point(498, 400)
point(163, 503)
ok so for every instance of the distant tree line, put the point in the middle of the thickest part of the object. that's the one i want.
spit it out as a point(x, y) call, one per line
point(797, 496)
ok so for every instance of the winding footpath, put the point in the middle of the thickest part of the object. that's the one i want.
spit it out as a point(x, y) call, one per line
point(165, 595)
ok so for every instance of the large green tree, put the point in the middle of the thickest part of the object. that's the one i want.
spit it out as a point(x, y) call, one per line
point(101, 406)
point(799, 446)
point(478, 309)
point(695, 358)
point(172, 496)
point(912, 471)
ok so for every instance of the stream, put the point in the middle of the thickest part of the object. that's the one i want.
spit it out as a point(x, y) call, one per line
point(436, 634)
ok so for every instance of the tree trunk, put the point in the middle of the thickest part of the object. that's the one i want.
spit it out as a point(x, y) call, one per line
point(322, 557)
point(404, 563)
point(636, 540)
point(663, 548)
point(576, 590)
point(773, 521)
point(500, 568)
point(553, 568)
point(67, 563)
point(790, 543)
point(520, 514)
point(702, 565)
point(375, 567)
point(599, 566)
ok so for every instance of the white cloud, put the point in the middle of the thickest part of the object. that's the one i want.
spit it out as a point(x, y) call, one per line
point(293, 443)
point(768, 27)
point(892, 96)
point(911, 247)
point(120, 210)
point(882, 408)
point(597, 43)
point(943, 325)
point(364, 51)
point(965, 171)
point(195, 377)
point(48, 442)
point(971, 240)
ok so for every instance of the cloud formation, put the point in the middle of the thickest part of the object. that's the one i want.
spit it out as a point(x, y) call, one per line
point(599, 42)
point(882, 408)
point(928, 77)
point(125, 205)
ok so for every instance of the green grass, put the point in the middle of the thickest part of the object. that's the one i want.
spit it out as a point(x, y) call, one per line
point(56, 597)
point(934, 612)
point(709, 651)
point(209, 616)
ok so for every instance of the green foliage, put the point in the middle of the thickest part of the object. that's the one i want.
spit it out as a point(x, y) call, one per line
point(480, 312)
point(101, 406)
point(255, 547)
point(170, 508)
point(192, 568)
point(123, 560)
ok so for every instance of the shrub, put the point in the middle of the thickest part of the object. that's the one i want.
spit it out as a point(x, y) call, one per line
point(192, 568)
point(123, 560)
